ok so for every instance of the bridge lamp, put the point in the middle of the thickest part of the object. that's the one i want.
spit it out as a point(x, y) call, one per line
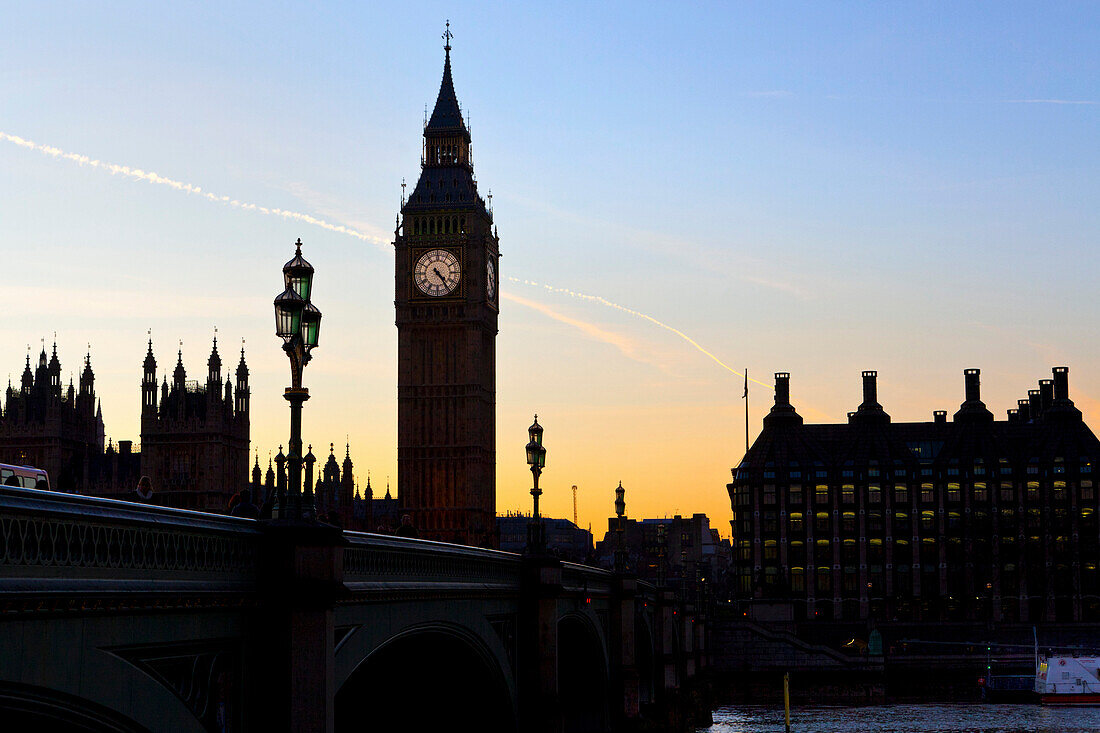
point(288, 314)
point(536, 459)
point(298, 324)
point(620, 512)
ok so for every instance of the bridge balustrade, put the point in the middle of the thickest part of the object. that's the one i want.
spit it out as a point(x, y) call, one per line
point(379, 563)
point(56, 547)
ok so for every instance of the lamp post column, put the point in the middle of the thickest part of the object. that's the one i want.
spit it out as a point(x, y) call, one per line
point(300, 504)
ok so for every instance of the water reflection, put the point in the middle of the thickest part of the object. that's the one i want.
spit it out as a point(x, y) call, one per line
point(925, 718)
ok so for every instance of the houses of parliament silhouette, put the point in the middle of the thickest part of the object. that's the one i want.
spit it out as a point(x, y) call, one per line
point(194, 438)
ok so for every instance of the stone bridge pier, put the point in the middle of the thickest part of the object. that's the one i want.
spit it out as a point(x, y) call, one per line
point(123, 617)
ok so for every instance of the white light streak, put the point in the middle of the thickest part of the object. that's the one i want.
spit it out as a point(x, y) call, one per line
point(138, 174)
point(637, 314)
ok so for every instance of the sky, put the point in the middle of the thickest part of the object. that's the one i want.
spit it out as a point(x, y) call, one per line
point(812, 188)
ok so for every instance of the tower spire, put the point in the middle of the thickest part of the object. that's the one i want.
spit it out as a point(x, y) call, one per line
point(447, 115)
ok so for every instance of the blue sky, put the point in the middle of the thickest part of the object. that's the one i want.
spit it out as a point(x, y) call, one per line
point(817, 188)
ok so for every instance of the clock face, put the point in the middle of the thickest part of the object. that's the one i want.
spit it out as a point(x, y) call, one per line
point(490, 278)
point(437, 273)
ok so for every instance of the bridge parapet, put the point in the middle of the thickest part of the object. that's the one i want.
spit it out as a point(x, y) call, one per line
point(583, 579)
point(376, 564)
point(58, 547)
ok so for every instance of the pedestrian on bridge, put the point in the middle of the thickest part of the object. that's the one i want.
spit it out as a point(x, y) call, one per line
point(406, 529)
point(143, 493)
point(245, 507)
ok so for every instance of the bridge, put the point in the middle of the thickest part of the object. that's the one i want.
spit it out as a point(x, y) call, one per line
point(124, 617)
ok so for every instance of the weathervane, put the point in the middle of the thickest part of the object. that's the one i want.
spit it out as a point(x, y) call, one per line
point(447, 36)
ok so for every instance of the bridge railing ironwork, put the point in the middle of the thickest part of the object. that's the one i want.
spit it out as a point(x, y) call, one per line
point(68, 547)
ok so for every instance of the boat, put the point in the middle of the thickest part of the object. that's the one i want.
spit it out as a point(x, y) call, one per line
point(1063, 679)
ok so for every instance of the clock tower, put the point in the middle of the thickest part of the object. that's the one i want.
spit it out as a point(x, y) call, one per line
point(446, 300)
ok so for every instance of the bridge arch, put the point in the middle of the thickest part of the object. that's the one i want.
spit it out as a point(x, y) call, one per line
point(433, 676)
point(29, 707)
point(583, 690)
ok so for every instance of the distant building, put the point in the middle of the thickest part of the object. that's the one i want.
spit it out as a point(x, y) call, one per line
point(385, 514)
point(675, 550)
point(335, 490)
point(563, 538)
point(61, 431)
point(973, 519)
point(194, 440)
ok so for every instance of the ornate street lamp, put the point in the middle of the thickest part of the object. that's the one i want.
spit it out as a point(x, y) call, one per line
point(536, 459)
point(298, 324)
point(620, 512)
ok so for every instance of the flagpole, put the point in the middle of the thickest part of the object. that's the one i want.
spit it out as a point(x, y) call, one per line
point(746, 410)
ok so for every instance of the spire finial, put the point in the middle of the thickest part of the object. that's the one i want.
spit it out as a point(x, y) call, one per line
point(298, 247)
point(447, 36)
point(215, 338)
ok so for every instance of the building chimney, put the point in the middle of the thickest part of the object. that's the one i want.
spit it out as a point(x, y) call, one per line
point(939, 417)
point(1034, 404)
point(1046, 393)
point(870, 389)
point(1061, 383)
point(782, 389)
point(782, 412)
point(973, 385)
point(1062, 407)
point(973, 409)
point(1023, 409)
point(871, 412)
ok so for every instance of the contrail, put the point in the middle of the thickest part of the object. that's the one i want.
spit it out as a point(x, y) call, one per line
point(637, 314)
point(149, 176)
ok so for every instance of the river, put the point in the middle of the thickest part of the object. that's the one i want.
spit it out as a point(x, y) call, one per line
point(924, 718)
